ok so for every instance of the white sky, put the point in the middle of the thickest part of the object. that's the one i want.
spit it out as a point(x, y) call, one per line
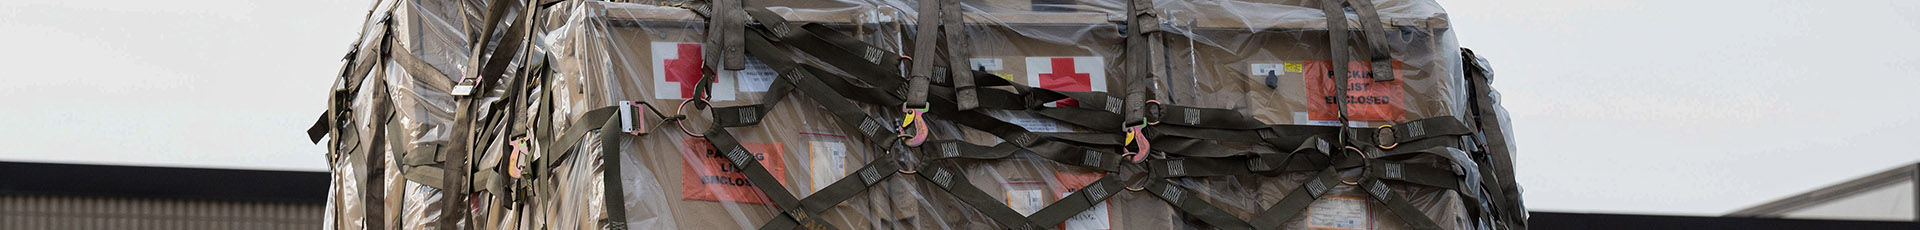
point(1634, 106)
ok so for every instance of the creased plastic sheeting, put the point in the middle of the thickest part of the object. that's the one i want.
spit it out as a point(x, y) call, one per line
point(344, 205)
point(610, 52)
point(1269, 59)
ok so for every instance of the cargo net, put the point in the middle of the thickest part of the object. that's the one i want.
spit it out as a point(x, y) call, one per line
point(915, 115)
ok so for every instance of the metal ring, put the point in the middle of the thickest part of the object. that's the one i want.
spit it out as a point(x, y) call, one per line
point(1363, 163)
point(1150, 119)
point(681, 111)
point(1388, 128)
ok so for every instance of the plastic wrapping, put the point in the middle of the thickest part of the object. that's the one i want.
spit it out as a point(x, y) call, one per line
point(1255, 56)
point(1268, 60)
point(611, 52)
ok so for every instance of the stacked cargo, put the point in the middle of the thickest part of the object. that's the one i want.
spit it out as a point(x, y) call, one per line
point(916, 114)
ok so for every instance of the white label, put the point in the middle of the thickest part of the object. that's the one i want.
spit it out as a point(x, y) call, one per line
point(1338, 213)
point(989, 64)
point(676, 68)
point(1300, 118)
point(1093, 219)
point(1038, 125)
point(1264, 69)
point(827, 164)
point(757, 77)
point(1026, 201)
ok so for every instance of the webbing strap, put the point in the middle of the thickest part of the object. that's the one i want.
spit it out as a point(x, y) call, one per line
point(1376, 37)
point(1079, 201)
point(1053, 150)
point(319, 128)
point(803, 79)
point(958, 50)
point(723, 140)
point(615, 198)
point(1190, 203)
point(953, 182)
point(1296, 200)
point(745, 115)
point(1138, 54)
point(726, 33)
point(840, 190)
point(950, 149)
point(1337, 37)
point(1397, 205)
point(1486, 117)
point(923, 45)
point(1207, 118)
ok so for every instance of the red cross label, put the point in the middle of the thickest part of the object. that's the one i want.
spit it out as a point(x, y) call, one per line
point(1083, 73)
point(677, 70)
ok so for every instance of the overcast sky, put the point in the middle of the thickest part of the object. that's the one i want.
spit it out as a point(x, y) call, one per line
point(1636, 106)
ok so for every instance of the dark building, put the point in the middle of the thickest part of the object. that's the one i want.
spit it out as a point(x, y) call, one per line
point(72, 196)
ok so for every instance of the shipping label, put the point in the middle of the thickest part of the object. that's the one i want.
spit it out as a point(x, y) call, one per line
point(1367, 100)
point(708, 175)
point(1338, 213)
point(827, 162)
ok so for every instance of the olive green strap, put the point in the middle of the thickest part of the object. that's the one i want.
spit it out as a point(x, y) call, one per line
point(1190, 203)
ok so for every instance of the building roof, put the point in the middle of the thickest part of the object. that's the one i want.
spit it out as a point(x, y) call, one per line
point(24, 178)
point(1782, 207)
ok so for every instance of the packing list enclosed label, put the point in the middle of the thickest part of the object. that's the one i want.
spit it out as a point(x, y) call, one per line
point(706, 174)
point(1367, 100)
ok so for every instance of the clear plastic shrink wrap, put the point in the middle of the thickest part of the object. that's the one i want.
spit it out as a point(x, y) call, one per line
point(1268, 65)
point(612, 52)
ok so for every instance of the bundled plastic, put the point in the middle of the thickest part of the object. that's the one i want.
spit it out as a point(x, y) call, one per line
point(916, 114)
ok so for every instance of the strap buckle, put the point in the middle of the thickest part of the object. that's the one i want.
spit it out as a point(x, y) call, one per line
point(637, 125)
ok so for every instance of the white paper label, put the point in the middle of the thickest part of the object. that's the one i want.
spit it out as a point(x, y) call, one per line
point(1093, 219)
point(757, 77)
point(1338, 213)
point(1264, 69)
point(1038, 125)
point(827, 164)
point(989, 64)
point(1300, 118)
point(676, 68)
point(1026, 201)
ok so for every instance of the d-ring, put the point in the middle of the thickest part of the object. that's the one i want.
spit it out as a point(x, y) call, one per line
point(1385, 134)
point(1363, 164)
point(681, 111)
point(1152, 117)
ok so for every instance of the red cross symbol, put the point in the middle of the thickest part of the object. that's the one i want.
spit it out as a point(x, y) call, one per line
point(1064, 78)
point(685, 70)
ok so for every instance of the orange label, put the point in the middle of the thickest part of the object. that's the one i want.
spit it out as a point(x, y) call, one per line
point(1367, 100)
point(706, 174)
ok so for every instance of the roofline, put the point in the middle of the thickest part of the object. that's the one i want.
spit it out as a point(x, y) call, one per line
point(1586, 221)
point(1778, 208)
point(27, 178)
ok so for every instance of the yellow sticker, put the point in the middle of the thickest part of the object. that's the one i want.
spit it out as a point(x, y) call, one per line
point(1294, 67)
point(1007, 76)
